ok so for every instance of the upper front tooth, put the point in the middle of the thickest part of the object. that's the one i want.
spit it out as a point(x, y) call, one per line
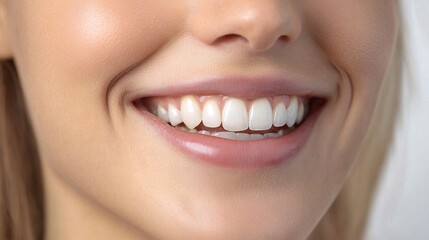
point(174, 115)
point(234, 115)
point(280, 115)
point(162, 113)
point(211, 114)
point(292, 111)
point(190, 111)
point(260, 115)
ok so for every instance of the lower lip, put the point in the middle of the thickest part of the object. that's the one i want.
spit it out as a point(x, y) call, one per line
point(236, 154)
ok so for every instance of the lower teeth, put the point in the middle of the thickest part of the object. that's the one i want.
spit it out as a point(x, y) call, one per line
point(236, 136)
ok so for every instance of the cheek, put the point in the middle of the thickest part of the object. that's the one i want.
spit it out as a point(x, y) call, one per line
point(358, 37)
point(95, 37)
point(69, 51)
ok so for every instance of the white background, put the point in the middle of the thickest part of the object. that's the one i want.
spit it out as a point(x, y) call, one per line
point(401, 209)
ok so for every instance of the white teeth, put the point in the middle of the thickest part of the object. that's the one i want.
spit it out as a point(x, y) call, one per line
point(235, 136)
point(260, 115)
point(242, 136)
point(292, 111)
point(256, 137)
point(234, 115)
point(181, 128)
point(227, 135)
point(271, 135)
point(204, 132)
point(190, 111)
point(300, 115)
point(211, 114)
point(174, 115)
point(279, 115)
point(162, 113)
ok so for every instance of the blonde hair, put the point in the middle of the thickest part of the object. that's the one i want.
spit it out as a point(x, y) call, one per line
point(21, 192)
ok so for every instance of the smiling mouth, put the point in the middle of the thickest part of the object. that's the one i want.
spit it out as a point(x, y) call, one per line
point(229, 117)
point(243, 123)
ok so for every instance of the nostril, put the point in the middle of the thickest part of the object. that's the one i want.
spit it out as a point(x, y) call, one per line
point(284, 38)
point(229, 38)
point(255, 44)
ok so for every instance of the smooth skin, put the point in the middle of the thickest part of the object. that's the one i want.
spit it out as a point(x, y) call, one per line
point(107, 175)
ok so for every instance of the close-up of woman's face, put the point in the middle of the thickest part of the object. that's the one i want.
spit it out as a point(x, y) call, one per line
point(206, 119)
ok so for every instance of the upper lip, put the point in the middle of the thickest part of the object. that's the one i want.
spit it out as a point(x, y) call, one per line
point(247, 87)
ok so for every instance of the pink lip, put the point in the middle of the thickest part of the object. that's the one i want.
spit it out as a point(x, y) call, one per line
point(242, 87)
point(236, 154)
point(232, 153)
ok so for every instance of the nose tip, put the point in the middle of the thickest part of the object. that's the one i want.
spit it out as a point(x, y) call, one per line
point(262, 29)
point(260, 23)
